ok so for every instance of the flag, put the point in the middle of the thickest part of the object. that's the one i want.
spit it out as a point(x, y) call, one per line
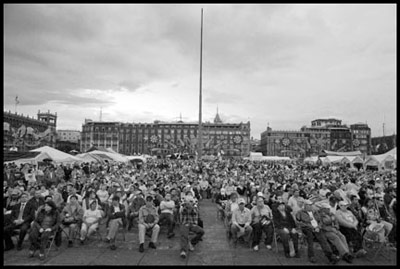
point(16, 100)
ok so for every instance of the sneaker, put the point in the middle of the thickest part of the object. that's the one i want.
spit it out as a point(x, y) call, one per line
point(82, 241)
point(31, 253)
point(70, 243)
point(113, 247)
point(107, 240)
point(334, 259)
point(183, 254)
point(141, 247)
point(191, 247)
point(41, 256)
point(346, 258)
point(152, 245)
point(312, 260)
point(170, 235)
point(269, 247)
point(360, 253)
point(255, 248)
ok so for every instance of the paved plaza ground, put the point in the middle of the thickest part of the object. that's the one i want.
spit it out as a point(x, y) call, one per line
point(215, 249)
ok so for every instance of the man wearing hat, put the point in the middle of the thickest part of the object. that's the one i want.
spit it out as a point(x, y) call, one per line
point(309, 221)
point(221, 200)
point(241, 220)
point(148, 220)
point(330, 227)
point(348, 226)
point(189, 217)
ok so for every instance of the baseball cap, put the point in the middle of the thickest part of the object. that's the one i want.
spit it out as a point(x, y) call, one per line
point(241, 201)
point(343, 203)
point(260, 194)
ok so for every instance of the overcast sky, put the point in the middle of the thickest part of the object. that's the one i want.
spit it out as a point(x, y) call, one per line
point(282, 65)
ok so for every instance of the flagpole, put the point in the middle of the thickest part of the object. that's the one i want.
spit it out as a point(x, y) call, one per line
point(200, 134)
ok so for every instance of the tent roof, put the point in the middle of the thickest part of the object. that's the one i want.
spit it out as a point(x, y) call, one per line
point(57, 155)
point(349, 153)
point(15, 155)
point(38, 158)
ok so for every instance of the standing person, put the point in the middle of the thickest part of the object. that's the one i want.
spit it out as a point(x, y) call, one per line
point(167, 207)
point(241, 220)
point(47, 222)
point(148, 220)
point(261, 216)
point(286, 228)
point(189, 216)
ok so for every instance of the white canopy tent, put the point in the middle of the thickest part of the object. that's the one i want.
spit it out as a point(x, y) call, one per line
point(58, 156)
point(384, 161)
point(38, 158)
point(114, 156)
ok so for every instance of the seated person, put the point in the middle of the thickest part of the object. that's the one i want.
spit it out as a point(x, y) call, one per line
point(71, 217)
point(21, 217)
point(116, 219)
point(221, 200)
point(309, 221)
point(189, 216)
point(348, 226)
point(261, 216)
point(330, 227)
point(167, 213)
point(133, 209)
point(47, 222)
point(231, 206)
point(90, 221)
point(241, 220)
point(374, 221)
point(286, 228)
point(148, 219)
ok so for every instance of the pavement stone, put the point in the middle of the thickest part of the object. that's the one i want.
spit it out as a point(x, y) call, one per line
point(215, 249)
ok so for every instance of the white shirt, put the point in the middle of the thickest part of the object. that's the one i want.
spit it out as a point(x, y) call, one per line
point(314, 223)
point(167, 206)
point(92, 215)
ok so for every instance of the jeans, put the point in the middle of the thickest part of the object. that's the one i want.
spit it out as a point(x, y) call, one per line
point(154, 235)
point(170, 221)
point(285, 240)
point(258, 229)
point(352, 235)
point(321, 238)
point(185, 229)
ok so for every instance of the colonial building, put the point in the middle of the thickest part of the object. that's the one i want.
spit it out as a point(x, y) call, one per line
point(24, 133)
point(69, 135)
point(383, 144)
point(323, 134)
point(163, 138)
point(361, 137)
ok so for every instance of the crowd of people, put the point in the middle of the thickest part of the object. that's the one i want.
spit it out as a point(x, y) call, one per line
point(334, 205)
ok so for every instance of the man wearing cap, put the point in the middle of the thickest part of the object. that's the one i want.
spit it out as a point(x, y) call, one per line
point(189, 216)
point(116, 219)
point(348, 226)
point(148, 220)
point(309, 222)
point(241, 220)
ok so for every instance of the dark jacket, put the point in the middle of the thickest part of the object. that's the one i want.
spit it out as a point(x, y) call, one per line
point(280, 222)
point(56, 220)
point(28, 215)
point(111, 214)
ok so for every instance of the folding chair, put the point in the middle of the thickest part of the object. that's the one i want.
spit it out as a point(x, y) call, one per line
point(52, 239)
point(371, 243)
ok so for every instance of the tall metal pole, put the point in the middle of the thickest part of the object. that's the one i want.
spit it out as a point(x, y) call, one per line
point(200, 132)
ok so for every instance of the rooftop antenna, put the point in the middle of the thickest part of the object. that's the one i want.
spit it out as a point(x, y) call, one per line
point(383, 125)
